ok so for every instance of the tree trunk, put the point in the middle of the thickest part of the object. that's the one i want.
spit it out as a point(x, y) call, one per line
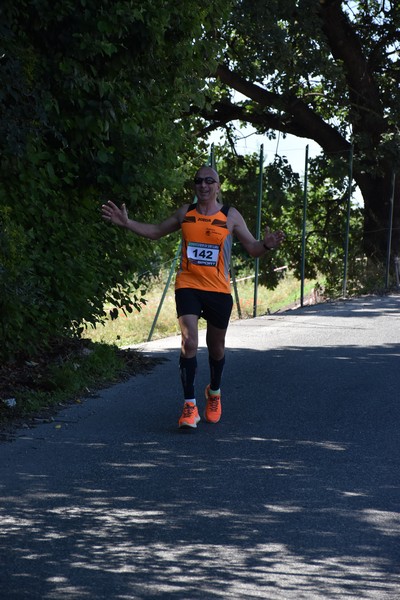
point(377, 194)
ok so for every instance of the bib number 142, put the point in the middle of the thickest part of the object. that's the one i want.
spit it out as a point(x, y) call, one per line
point(203, 254)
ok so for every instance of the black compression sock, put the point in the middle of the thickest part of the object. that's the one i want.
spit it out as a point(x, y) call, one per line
point(216, 368)
point(187, 367)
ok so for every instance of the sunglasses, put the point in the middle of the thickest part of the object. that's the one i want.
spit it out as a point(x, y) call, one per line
point(207, 180)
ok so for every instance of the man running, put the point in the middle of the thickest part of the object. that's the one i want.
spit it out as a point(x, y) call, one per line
point(202, 285)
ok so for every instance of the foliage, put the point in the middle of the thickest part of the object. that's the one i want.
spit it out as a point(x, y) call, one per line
point(90, 108)
point(240, 177)
point(135, 328)
point(16, 285)
point(68, 370)
point(104, 99)
point(282, 207)
point(327, 71)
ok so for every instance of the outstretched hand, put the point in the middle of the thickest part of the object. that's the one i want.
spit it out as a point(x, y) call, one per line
point(111, 212)
point(273, 239)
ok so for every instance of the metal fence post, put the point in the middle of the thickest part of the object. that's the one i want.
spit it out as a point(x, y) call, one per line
point(346, 247)
point(303, 244)
point(389, 242)
point(258, 227)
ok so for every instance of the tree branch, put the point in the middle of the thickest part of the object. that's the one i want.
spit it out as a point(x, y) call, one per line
point(346, 47)
point(290, 115)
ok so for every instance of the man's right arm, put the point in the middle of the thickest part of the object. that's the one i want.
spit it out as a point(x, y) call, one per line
point(153, 231)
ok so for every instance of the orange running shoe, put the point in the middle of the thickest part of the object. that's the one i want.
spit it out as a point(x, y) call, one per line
point(190, 415)
point(213, 410)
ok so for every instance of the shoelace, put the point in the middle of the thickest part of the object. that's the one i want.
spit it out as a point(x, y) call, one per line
point(213, 403)
point(188, 410)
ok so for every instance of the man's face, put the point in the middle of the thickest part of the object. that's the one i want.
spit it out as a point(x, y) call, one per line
point(206, 183)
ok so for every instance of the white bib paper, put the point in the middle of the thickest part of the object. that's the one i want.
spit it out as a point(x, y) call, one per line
point(205, 255)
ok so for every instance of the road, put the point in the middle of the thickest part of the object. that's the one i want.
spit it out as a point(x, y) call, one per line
point(295, 494)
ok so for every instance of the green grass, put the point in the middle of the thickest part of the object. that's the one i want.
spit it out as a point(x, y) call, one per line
point(72, 370)
point(135, 328)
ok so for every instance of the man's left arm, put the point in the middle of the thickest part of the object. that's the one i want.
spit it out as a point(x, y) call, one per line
point(255, 248)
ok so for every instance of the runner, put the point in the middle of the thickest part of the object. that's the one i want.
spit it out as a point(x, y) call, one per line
point(202, 286)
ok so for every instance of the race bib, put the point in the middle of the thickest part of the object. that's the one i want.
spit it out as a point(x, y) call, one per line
point(205, 255)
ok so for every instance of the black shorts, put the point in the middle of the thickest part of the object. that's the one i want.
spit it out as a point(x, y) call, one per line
point(214, 307)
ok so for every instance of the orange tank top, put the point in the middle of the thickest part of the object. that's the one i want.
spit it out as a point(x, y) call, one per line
point(206, 252)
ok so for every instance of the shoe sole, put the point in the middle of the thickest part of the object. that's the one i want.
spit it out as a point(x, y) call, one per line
point(209, 421)
point(189, 425)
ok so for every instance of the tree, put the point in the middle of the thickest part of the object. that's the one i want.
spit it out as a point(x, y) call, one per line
point(327, 70)
point(90, 105)
point(282, 205)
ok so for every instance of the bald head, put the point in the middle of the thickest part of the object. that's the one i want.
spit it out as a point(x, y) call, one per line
point(208, 172)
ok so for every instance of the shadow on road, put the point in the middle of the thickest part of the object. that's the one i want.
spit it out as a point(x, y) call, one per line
point(295, 494)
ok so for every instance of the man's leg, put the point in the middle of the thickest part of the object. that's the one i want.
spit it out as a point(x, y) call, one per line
point(216, 358)
point(188, 358)
point(216, 354)
point(189, 335)
point(188, 365)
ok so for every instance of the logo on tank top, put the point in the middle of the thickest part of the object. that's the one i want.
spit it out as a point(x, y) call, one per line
point(213, 233)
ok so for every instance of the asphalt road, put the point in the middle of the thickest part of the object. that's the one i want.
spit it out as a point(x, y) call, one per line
point(295, 494)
